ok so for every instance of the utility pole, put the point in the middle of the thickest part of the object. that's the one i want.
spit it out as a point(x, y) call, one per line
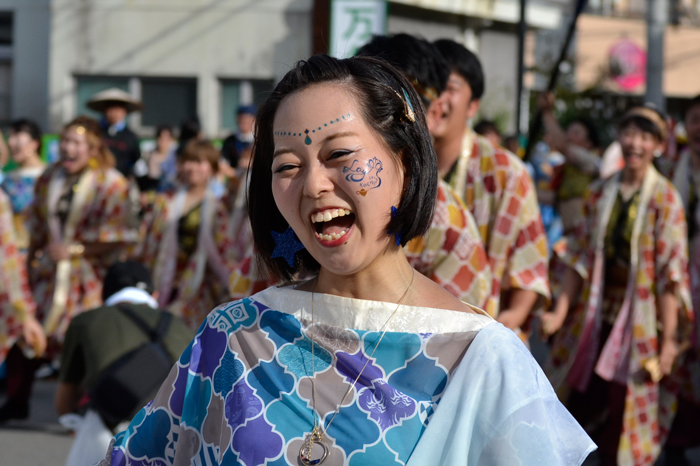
point(521, 122)
point(657, 18)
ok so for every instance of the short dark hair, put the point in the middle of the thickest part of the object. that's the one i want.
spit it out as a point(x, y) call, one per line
point(591, 129)
point(25, 125)
point(486, 127)
point(375, 84)
point(160, 129)
point(694, 102)
point(419, 60)
point(644, 124)
point(124, 274)
point(462, 61)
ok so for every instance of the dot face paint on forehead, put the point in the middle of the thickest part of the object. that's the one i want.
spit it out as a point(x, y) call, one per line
point(307, 132)
point(366, 176)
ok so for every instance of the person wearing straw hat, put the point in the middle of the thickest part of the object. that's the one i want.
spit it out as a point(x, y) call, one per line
point(114, 105)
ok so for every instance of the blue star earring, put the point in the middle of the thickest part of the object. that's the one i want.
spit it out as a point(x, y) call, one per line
point(286, 245)
point(397, 235)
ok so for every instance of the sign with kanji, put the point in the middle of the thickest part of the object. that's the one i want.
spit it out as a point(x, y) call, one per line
point(353, 22)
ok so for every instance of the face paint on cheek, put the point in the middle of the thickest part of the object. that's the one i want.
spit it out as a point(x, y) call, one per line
point(366, 176)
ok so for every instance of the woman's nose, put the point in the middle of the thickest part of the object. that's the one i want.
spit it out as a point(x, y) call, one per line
point(317, 182)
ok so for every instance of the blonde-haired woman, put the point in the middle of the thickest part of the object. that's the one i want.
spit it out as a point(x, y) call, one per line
point(80, 223)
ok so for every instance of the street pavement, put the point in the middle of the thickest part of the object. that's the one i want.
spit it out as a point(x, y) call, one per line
point(40, 440)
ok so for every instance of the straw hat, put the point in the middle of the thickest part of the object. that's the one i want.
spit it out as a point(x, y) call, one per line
point(100, 101)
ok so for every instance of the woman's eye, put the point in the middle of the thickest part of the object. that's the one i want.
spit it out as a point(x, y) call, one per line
point(284, 167)
point(339, 153)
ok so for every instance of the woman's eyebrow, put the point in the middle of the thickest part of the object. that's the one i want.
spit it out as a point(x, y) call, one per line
point(342, 134)
point(280, 151)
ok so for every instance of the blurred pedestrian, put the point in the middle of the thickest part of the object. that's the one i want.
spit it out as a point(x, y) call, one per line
point(579, 144)
point(17, 308)
point(115, 105)
point(511, 144)
point(25, 146)
point(97, 339)
point(184, 238)
point(236, 148)
point(624, 309)
point(489, 130)
point(80, 223)
point(686, 178)
point(160, 164)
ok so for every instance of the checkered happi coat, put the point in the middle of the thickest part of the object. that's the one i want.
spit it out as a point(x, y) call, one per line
point(661, 258)
point(451, 253)
point(15, 298)
point(503, 201)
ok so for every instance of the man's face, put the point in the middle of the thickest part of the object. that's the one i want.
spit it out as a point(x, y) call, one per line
point(246, 123)
point(457, 108)
point(115, 113)
point(692, 127)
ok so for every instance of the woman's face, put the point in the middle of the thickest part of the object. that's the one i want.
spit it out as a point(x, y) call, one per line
point(195, 173)
point(577, 134)
point(22, 146)
point(638, 147)
point(335, 184)
point(165, 141)
point(75, 149)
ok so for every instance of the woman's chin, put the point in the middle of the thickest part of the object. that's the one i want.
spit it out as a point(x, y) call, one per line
point(72, 167)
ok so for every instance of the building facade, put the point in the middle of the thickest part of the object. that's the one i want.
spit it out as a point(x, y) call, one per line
point(203, 58)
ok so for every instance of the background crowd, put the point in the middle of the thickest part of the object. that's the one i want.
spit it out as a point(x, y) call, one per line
point(593, 241)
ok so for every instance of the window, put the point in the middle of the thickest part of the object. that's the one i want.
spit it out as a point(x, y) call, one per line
point(168, 101)
point(6, 56)
point(237, 92)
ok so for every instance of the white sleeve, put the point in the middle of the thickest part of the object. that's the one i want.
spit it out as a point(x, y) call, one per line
point(499, 409)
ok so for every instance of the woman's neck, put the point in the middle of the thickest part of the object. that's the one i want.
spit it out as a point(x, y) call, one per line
point(33, 161)
point(196, 191)
point(633, 177)
point(448, 150)
point(385, 280)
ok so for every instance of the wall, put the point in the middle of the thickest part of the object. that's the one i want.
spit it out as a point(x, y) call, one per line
point(204, 39)
point(30, 58)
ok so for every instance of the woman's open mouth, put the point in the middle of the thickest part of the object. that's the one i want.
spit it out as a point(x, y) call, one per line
point(332, 225)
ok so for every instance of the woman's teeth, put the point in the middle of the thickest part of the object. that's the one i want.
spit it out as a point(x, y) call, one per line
point(328, 215)
point(332, 236)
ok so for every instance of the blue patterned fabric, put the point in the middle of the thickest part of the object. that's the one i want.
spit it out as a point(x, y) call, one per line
point(20, 190)
point(241, 393)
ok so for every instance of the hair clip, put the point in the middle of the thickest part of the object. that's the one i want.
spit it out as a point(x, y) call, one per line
point(408, 113)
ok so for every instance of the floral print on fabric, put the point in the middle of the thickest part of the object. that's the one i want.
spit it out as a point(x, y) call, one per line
point(223, 405)
point(189, 303)
point(15, 297)
point(106, 218)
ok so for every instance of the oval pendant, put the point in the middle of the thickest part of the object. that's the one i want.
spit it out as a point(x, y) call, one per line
point(306, 455)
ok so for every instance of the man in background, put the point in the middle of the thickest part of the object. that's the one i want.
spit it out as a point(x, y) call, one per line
point(96, 339)
point(237, 147)
point(115, 105)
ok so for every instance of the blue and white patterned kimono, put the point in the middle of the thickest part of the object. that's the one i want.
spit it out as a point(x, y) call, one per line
point(443, 388)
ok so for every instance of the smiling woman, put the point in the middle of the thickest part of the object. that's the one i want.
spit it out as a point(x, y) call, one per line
point(366, 362)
